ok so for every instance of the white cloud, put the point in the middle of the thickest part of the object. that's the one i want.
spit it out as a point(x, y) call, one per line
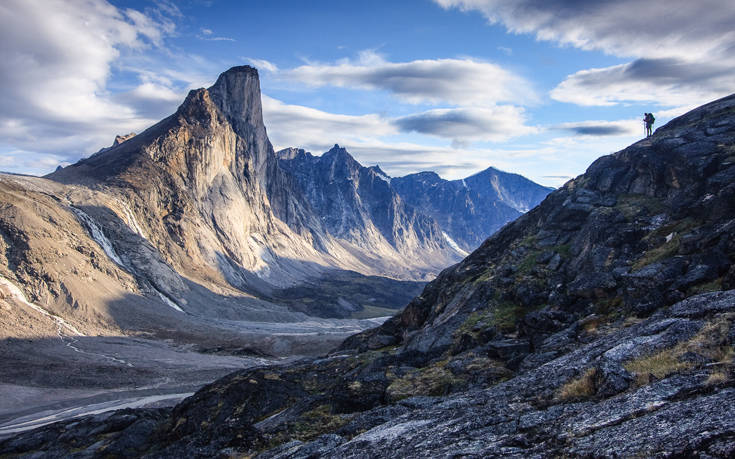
point(295, 125)
point(505, 50)
point(55, 64)
point(316, 131)
point(454, 81)
point(493, 124)
point(603, 128)
point(262, 64)
point(27, 162)
point(670, 28)
point(684, 51)
point(668, 82)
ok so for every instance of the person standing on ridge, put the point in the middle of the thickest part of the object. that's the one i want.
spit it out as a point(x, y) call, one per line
point(648, 120)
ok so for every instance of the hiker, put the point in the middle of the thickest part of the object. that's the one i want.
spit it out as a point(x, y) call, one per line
point(648, 120)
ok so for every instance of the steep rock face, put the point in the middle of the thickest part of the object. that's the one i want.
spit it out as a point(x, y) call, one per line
point(471, 209)
point(357, 204)
point(599, 324)
point(201, 181)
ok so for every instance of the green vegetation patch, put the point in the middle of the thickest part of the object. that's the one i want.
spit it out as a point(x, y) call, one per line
point(713, 286)
point(474, 322)
point(506, 314)
point(528, 263)
point(660, 365)
point(308, 426)
point(564, 250)
point(433, 380)
point(316, 422)
point(632, 205)
point(666, 250)
point(678, 227)
point(609, 307)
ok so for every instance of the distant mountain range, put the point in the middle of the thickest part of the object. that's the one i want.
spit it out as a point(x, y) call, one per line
point(351, 197)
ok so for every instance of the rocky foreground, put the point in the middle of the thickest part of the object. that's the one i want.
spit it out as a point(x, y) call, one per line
point(598, 324)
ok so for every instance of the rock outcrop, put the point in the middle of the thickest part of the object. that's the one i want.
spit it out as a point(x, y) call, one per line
point(599, 324)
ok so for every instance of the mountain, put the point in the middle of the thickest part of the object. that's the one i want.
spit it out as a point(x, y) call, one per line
point(359, 205)
point(195, 216)
point(409, 211)
point(471, 209)
point(599, 324)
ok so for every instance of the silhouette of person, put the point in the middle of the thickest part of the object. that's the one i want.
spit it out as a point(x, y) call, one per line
point(648, 120)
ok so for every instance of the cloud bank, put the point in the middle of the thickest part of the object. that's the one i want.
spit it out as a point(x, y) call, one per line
point(55, 63)
point(682, 51)
point(452, 81)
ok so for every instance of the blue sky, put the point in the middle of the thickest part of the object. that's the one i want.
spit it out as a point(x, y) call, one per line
point(540, 88)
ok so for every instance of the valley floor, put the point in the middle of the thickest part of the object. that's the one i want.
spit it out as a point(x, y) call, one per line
point(60, 378)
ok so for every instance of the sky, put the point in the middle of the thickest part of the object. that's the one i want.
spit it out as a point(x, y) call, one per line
point(537, 87)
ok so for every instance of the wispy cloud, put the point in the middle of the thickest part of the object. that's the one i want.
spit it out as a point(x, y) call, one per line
point(603, 128)
point(208, 35)
point(669, 82)
point(682, 51)
point(295, 125)
point(292, 125)
point(453, 81)
point(675, 28)
point(495, 124)
point(28, 162)
point(505, 50)
point(262, 64)
point(56, 64)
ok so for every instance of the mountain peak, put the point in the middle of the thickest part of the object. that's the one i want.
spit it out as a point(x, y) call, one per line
point(337, 152)
point(237, 94)
point(122, 138)
point(376, 168)
point(291, 153)
point(336, 149)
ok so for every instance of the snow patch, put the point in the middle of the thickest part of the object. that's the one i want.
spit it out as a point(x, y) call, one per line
point(383, 177)
point(464, 184)
point(262, 267)
point(168, 301)
point(104, 242)
point(9, 289)
point(130, 218)
point(98, 235)
point(453, 244)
